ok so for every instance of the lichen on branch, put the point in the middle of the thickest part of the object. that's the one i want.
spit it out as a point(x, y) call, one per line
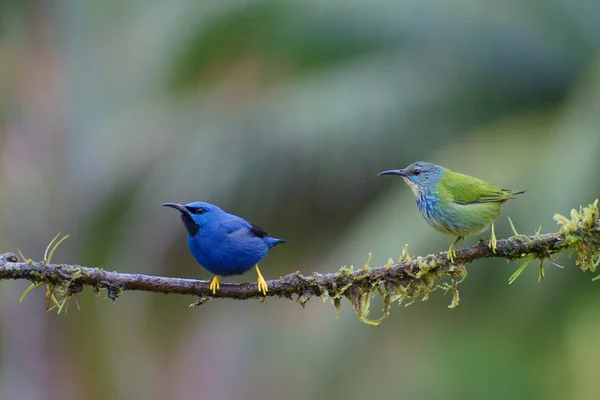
point(403, 281)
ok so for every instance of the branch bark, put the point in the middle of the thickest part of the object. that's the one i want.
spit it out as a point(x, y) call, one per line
point(295, 283)
point(408, 278)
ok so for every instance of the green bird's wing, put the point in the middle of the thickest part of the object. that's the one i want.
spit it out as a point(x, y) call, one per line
point(464, 189)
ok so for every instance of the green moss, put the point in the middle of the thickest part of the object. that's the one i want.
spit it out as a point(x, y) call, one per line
point(582, 232)
point(422, 276)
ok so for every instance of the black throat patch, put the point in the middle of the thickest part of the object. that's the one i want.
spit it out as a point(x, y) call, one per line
point(189, 223)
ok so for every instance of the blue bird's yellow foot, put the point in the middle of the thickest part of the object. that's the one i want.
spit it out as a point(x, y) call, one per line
point(262, 284)
point(452, 249)
point(493, 240)
point(215, 284)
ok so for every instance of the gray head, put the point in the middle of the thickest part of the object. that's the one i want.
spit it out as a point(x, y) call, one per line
point(419, 175)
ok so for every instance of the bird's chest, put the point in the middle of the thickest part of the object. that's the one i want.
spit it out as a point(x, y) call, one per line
point(427, 204)
point(225, 254)
point(456, 219)
point(435, 213)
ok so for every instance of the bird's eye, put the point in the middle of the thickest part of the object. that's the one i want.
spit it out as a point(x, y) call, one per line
point(197, 210)
point(417, 171)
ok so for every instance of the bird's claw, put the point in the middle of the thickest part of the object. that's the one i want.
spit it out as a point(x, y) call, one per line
point(452, 249)
point(451, 253)
point(215, 284)
point(493, 242)
point(262, 284)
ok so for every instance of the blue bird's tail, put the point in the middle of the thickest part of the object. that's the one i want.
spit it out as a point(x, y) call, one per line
point(272, 242)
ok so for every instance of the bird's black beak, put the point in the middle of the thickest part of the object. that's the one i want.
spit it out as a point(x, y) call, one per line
point(176, 206)
point(400, 172)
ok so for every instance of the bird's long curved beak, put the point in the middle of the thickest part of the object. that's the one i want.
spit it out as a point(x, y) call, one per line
point(176, 206)
point(400, 172)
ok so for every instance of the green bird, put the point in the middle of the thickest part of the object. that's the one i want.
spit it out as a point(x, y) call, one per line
point(455, 204)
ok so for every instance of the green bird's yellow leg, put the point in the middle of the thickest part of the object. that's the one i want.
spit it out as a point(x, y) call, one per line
point(215, 284)
point(262, 284)
point(493, 240)
point(452, 250)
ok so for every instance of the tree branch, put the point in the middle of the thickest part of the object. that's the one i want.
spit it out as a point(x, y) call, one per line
point(407, 279)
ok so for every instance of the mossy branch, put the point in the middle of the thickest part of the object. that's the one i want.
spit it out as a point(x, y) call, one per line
point(405, 280)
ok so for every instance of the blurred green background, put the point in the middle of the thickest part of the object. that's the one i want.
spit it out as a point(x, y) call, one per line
point(283, 112)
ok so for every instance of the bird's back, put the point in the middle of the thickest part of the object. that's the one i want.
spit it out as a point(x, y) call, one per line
point(465, 189)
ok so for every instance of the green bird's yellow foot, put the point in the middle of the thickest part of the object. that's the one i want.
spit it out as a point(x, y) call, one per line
point(493, 241)
point(215, 284)
point(262, 284)
point(452, 249)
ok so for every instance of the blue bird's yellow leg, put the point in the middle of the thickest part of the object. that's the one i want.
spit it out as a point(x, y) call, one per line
point(262, 284)
point(452, 250)
point(493, 240)
point(215, 284)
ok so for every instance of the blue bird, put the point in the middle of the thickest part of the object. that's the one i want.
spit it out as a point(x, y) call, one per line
point(223, 243)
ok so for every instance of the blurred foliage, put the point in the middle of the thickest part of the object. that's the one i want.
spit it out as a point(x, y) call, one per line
point(288, 39)
point(284, 112)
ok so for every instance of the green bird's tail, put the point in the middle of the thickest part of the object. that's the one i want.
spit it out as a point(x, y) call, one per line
point(502, 196)
point(512, 193)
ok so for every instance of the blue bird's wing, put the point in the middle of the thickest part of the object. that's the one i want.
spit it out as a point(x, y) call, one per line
point(237, 227)
point(236, 224)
